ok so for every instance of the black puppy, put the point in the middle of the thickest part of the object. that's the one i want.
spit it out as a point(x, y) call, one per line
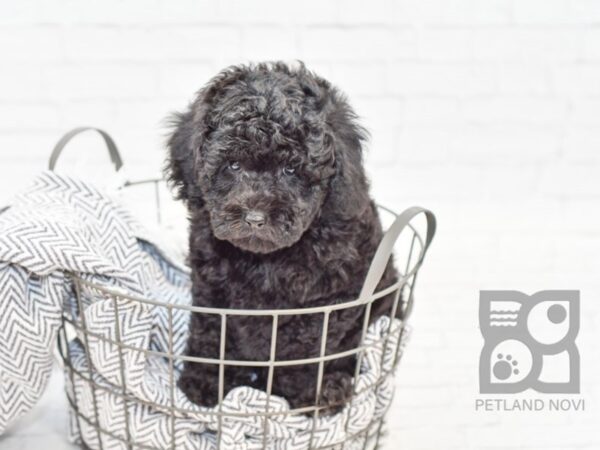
point(269, 161)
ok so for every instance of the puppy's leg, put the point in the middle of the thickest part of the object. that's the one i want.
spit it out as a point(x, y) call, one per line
point(200, 381)
point(336, 390)
point(299, 386)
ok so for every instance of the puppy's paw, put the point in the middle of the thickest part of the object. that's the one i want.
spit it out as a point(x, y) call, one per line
point(336, 391)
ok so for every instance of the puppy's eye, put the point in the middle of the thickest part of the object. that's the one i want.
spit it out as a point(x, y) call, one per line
point(289, 171)
point(234, 165)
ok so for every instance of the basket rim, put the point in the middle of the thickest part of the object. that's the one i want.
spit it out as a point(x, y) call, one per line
point(247, 312)
point(325, 309)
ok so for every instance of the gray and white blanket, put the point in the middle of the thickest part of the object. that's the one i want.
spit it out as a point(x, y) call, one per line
point(62, 226)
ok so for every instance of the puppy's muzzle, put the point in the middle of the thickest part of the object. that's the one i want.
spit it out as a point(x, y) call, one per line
point(255, 219)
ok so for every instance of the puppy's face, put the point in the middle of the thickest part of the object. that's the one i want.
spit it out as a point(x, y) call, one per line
point(266, 149)
point(262, 193)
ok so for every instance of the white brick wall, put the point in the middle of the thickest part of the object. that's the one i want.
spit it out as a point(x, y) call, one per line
point(486, 112)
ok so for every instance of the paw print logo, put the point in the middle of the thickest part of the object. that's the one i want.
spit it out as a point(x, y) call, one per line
point(510, 362)
point(505, 366)
point(529, 341)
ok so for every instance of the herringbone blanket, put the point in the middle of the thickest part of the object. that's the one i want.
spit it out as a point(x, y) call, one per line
point(62, 226)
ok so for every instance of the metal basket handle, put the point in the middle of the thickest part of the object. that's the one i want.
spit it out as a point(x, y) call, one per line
point(386, 247)
point(115, 156)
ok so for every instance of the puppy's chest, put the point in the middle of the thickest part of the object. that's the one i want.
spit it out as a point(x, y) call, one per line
point(273, 283)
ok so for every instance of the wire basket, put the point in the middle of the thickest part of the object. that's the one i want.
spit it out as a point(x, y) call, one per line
point(409, 234)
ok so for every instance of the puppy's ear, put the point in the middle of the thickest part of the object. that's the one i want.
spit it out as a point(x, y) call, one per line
point(191, 130)
point(180, 166)
point(349, 189)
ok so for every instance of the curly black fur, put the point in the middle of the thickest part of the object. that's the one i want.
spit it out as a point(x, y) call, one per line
point(268, 159)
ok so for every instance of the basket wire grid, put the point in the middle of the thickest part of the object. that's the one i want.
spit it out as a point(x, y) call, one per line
point(416, 240)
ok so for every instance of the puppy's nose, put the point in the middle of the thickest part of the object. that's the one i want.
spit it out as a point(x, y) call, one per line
point(255, 219)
